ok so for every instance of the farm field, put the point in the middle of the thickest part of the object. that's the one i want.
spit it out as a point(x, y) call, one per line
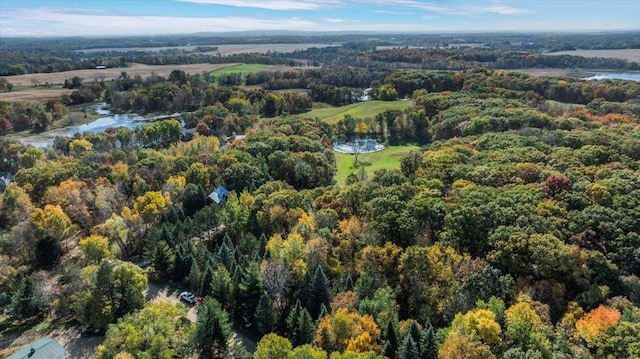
point(389, 158)
point(624, 54)
point(224, 49)
point(358, 110)
point(111, 73)
point(242, 69)
point(33, 95)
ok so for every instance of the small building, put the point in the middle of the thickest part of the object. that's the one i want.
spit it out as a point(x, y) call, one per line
point(5, 179)
point(41, 349)
point(218, 195)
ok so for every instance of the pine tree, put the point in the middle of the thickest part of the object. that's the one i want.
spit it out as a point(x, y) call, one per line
point(163, 258)
point(428, 347)
point(319, 291)
point(414, 331)
point(409, 349)
point(195, 275)
point(392, 335)
point(305, 328)
point(264, 317)
point(323, 312)
point(213, 330)
point(348, 285)
point(292, 320)
point(205, 282)
point(226, 255)
point(388, 350)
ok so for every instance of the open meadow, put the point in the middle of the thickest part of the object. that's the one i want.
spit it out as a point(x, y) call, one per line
point(110, 73)
point(624, 54)
point(358, 110)
point(389, 158)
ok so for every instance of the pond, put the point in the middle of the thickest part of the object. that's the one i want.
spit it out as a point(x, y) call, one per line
point(631, 76)
point(365, 145)
point(45, 139)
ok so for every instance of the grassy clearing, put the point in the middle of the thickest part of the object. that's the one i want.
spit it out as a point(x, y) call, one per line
point(241, 69)
point(389, 158)
point(357, 110)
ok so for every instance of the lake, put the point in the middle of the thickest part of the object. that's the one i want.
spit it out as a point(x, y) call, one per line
point(631, 76)
point(46, 138)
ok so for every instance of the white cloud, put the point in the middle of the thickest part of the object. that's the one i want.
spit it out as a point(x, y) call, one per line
point(269, 4)
point(333, 20)
point(76, 22)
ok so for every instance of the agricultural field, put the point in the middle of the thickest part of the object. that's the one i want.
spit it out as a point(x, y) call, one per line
point(357, 110)
point(33, 95)
point(388, 159)
point(243, 69)
point(624, 54)
point(110, 73)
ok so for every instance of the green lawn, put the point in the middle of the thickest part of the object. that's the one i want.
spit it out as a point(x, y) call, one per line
point(357, 110)
point(389, 158)
point(242, 69)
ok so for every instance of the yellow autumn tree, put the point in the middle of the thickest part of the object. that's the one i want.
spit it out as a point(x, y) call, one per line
point(461, 346)
point(343, 330)
point(479, 324)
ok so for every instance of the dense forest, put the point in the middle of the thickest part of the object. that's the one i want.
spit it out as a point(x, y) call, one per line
point(512, 232)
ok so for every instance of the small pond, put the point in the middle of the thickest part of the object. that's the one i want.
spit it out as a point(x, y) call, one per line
point(632, 76)
point(365, 145)
point(45, 139)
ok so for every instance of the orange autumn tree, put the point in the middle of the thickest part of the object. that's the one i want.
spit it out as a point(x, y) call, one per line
point(593, 326)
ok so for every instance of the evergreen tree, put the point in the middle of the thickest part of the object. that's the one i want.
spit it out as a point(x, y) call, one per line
point(392, 335)
point(414, 331)
point(212, 330)
point(167, 235)
point(263, 244)
point(249, 290)
point(292, 320)
point(226, 255)
point(163, 258)
point(428, 347)
point(28, 301)
point(195, 275)
point(409, 349)
point(319, 291)
point(264, 317)
point(348, 285)
point(305, 328)
point(323, 312)
point(365, 285)
point(205, 282)
point(388, 350)
point(182, 261)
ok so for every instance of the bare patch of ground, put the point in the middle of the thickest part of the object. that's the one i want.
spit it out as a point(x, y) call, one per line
point(624, 54)
point(111, 73)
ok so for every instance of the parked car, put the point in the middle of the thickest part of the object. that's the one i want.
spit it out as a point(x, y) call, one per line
point(188, 297)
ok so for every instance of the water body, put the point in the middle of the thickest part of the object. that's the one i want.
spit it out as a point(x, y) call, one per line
point(631, 76)
point(45, 139)
point(359, 146)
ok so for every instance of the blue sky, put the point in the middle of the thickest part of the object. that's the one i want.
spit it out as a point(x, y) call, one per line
point(157, 17)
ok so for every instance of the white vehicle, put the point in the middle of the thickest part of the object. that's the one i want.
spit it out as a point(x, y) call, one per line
point(188, 297)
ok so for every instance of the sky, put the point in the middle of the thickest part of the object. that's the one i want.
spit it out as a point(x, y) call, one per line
point(55, 18)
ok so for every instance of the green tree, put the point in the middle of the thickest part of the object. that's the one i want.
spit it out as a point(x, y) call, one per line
point(160, 330)
point(273, 346)
point(213, 330)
